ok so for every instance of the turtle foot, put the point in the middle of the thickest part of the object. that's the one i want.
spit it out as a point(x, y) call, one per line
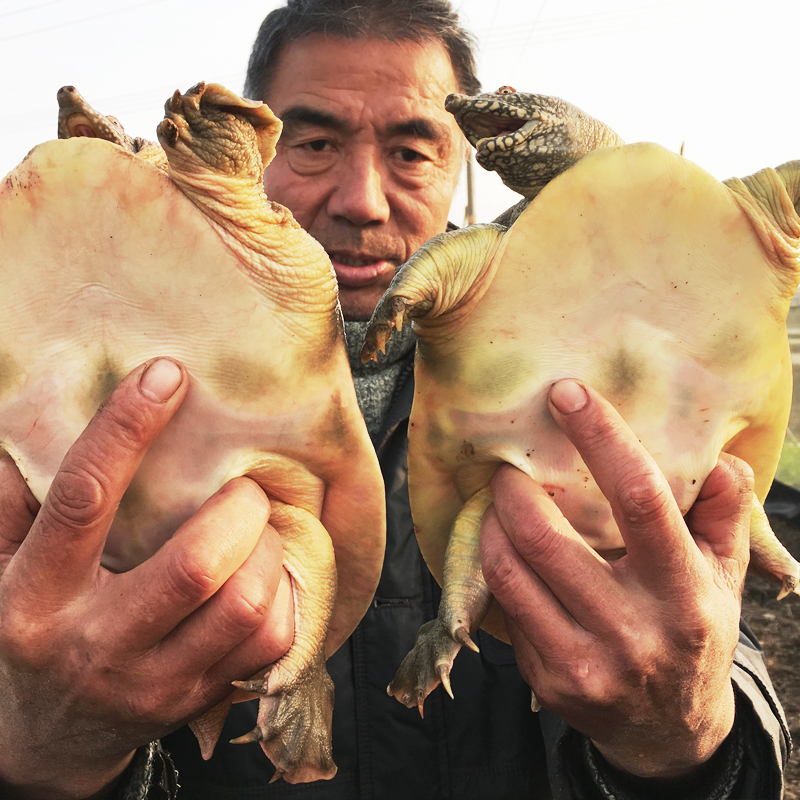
point(428, 664)
point(391, 315)
point(294, 725)
point(789, 584)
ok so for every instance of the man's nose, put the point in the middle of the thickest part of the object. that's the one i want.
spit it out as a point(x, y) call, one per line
point(360, 193)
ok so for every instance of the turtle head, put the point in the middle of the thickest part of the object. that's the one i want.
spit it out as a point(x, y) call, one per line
point(77, 118)
point(210, 128)
point(527, 139)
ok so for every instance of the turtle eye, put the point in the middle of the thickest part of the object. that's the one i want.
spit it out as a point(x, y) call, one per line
point(506, 90)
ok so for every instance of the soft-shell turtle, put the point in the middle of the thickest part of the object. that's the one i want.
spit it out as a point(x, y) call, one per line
point(108, 262)
point(636, 272)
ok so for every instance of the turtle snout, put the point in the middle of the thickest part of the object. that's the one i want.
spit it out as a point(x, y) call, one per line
point(68, 96)
point(453, 102)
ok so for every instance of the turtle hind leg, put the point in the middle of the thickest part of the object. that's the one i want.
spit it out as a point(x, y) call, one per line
point(294, 724)
point(295, 709)
point(768, 557)
point(465, 601)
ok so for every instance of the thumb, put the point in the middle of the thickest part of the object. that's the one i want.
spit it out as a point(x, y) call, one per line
point(18, 509)
point(719, 520)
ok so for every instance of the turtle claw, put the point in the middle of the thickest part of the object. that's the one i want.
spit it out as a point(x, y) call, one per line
point(461, 635)
point(444, 677)
point(390, 315)
point(428, 664)
point(294, 724)
point(790, 584)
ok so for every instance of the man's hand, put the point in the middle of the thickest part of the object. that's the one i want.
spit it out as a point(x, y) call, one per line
point(93, 664)
point(635, 654)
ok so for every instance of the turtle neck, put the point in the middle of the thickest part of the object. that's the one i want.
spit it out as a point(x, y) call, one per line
point(375, 383)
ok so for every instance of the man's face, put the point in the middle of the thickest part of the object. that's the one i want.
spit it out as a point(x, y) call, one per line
point(368, 159)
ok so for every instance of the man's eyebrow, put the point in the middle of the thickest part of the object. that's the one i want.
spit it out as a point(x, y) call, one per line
point(305, 115)
point(419, 128)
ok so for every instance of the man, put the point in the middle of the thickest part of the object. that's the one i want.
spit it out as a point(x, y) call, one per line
point(633, 667)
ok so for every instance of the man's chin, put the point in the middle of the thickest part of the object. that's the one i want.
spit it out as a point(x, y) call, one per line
point(358, 304)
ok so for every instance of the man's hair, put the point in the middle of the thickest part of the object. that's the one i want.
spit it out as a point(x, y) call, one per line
point(392, 20)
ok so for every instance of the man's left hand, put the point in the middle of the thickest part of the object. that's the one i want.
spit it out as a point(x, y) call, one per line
point(636, 653)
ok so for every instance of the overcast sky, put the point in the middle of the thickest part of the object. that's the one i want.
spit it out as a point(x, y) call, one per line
point(719, 76)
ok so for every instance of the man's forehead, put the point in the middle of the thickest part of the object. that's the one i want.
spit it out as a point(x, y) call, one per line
point(397, 86)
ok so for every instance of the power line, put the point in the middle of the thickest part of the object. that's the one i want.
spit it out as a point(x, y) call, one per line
point(71, 22)
point(29, 8)
point(530, 34)
point(120, 105)
point(612, 22)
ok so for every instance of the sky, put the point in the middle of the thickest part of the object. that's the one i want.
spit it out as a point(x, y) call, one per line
point(719, 78)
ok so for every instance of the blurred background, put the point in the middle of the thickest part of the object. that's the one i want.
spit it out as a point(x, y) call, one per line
point(719, 76)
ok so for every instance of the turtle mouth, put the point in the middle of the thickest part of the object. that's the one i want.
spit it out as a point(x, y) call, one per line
point(80, 125)
point(492, 134)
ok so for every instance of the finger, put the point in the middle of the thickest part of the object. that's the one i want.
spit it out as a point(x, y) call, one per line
point(719, 520)
point(538, 549)
point(18, 508)
point(61, 554)
point(192, 566)
point(265, 645)
point(651, 524)
point(523, 595)
point(236, 610)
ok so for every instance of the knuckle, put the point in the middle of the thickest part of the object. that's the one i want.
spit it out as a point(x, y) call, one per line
point(78, 497)
point(643, 501)
point(498, 571)
point(595, 429)
point(128, 424)
point(188, 580)
point(541, 543)
point(22, 637)
point(245, 611)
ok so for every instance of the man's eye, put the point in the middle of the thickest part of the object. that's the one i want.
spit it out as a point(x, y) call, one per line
point(410, 156)
point(317, 145)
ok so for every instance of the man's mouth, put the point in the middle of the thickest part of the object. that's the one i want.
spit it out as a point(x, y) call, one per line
point(355, 270)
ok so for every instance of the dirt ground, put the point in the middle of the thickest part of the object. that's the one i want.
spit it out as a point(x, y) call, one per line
point(777, 626)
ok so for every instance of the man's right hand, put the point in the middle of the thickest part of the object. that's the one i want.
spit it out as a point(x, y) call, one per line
point(95, 664)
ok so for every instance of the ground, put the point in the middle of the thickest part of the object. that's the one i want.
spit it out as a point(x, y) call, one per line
point(777, 626)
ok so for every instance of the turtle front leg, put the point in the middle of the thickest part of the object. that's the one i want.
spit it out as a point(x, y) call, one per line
point(296, 693)
point(448, 273)
point(465, 601)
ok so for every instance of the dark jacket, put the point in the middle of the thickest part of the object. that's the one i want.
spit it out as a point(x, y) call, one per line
point(486, 744)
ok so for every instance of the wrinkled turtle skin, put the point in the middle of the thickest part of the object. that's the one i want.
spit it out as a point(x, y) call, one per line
point(635, 272)
point(109, 260)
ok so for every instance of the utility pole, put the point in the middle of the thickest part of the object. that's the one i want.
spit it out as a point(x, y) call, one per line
point(469, 212)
